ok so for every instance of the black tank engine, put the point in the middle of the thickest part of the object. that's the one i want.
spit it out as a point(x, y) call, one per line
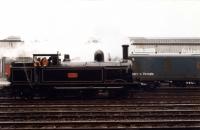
point(48, 72)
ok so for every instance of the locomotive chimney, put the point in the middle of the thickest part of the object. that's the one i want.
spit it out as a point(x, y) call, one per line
point(125, 51)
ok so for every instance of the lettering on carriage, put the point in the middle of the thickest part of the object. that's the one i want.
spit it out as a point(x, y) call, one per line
point(143, 74)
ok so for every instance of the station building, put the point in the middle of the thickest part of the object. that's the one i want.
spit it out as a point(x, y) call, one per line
point(177, 45)
point(7, 44)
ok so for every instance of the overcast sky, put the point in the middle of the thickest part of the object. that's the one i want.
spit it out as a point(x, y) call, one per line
point(79, 27)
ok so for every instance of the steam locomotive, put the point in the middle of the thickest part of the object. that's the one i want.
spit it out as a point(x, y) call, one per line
point(47, 72)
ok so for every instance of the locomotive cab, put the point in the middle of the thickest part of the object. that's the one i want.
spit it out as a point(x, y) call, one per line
point(46, 59)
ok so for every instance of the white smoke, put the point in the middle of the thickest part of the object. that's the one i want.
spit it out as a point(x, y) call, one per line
point(79, 49)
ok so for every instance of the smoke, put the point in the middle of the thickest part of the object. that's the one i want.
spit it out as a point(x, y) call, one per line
point(14, 52)
point(79, 52)
point(25, 49)
point(80, 48)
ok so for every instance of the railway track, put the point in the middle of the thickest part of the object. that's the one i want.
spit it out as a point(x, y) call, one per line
point(161, 108)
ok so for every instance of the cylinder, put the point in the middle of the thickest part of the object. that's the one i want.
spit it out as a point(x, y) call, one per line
point(125, 51)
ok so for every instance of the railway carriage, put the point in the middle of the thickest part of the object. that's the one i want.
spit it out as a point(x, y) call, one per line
point(178, 70)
